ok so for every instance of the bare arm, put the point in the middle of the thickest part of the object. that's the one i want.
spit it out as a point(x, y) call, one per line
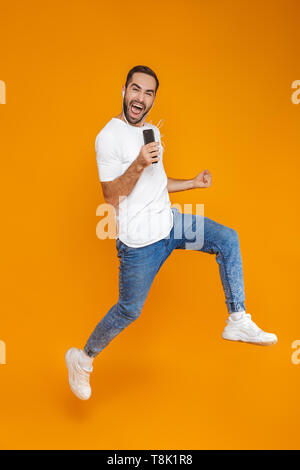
point(202, 180)
point(179, 185)
point(123, 185)
point(115, 191)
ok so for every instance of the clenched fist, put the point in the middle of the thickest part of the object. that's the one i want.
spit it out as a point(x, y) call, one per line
point(202, 180)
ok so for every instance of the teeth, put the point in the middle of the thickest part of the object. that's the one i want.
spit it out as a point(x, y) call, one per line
point(137, 105)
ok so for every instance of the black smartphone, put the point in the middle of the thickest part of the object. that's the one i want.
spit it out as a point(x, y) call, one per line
point(149, 137)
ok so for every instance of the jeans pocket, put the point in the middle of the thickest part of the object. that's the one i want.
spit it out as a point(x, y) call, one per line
point(121, 247)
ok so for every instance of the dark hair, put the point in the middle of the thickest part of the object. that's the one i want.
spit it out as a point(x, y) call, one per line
point(141, 69)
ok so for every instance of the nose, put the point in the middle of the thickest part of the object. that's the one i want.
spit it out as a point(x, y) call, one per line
point(140, 98)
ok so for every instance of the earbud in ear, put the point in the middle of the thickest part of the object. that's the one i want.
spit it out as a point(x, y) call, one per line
point(123, 93)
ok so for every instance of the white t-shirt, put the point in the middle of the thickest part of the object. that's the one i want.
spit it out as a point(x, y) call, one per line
point(145, 215)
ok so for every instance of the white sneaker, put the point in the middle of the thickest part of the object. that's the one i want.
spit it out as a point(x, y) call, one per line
point(79, 368)
point(247, 331)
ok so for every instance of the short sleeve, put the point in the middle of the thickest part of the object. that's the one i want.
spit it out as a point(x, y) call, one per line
point(108, 160)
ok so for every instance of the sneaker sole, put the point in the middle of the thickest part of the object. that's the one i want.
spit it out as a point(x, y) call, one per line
point(250, 342)
point(68, 360)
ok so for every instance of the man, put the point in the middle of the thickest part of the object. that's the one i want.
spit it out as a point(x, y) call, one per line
point(149, 229)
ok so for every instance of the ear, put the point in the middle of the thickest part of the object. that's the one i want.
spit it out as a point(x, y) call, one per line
point(123, 91)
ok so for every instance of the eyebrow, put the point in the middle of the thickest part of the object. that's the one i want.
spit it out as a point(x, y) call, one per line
point(138, 86)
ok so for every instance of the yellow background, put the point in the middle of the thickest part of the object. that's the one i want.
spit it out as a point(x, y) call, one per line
point(168, 381)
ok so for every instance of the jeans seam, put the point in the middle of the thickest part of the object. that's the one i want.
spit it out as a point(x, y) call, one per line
point(121, 263)
point(224, 266)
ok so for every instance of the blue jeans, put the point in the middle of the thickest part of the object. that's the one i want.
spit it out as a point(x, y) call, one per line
point(139, 266)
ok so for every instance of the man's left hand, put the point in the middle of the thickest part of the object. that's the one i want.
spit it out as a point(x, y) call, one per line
point(203, 180)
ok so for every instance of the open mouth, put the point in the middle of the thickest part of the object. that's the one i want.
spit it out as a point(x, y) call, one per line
point(136, 109)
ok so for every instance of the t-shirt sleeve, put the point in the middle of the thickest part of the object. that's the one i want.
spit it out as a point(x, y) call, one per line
point(108, 160)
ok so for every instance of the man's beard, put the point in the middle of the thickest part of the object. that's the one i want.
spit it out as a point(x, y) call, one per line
point(128, 118)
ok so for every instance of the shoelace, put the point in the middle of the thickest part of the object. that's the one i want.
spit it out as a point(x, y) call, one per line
point(83, 375)
point(250, 323)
